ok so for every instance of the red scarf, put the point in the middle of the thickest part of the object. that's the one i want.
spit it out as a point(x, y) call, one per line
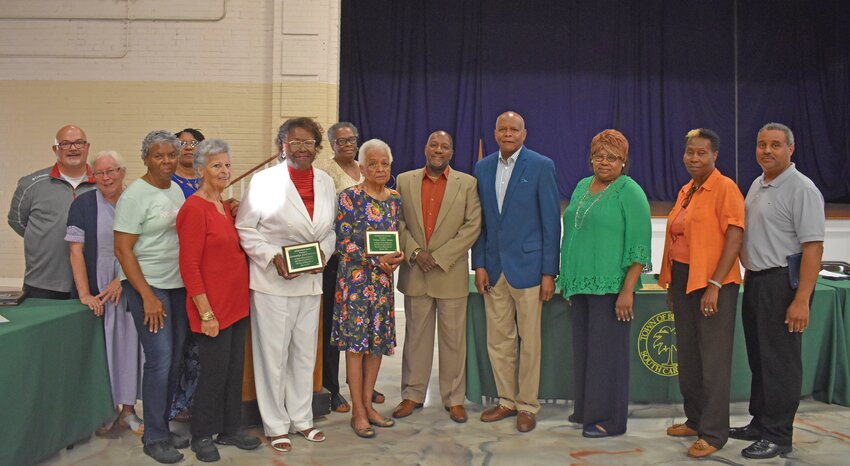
point(303, 181)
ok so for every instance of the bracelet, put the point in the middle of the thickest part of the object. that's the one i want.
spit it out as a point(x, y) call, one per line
point(716, 283)
point(207, 316)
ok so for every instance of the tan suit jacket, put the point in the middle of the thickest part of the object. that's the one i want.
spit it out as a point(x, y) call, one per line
point(458, 226)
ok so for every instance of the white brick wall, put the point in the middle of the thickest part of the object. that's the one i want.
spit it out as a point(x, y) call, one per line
point(237, 77)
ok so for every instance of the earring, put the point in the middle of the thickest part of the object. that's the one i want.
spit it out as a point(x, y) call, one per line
point(624, 165)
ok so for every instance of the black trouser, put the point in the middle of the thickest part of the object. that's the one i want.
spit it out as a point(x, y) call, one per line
point(330, 353)
point(601, 362)
point(704, 347)
point(218, 399)
point(773, 352)
point(42, 293)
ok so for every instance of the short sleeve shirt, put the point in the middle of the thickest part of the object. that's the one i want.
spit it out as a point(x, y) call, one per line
point(781, 215)
point(151, 213)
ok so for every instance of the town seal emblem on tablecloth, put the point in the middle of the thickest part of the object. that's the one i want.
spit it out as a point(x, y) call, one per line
point(657, 345)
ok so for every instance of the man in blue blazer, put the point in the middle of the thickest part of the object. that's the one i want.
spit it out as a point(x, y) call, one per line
point(516, 261)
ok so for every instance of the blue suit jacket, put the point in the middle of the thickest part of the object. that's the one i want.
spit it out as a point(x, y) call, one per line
point(523, 242)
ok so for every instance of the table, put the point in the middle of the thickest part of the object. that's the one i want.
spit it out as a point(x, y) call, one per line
point(842, 289)
point(54, 384)
point(653, 365)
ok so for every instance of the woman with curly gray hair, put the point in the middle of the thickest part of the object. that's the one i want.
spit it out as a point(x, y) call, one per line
point(145, 242)
point(215, 271)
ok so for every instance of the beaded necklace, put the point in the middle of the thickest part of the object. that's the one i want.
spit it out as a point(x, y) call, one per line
point(578, 222)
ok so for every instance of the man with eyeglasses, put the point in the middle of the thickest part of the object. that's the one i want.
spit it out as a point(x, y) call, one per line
point(39, 213)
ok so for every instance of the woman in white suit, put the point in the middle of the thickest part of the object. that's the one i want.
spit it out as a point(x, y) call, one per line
point(290, 203)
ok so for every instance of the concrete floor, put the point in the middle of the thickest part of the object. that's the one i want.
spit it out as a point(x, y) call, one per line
point(429, 437)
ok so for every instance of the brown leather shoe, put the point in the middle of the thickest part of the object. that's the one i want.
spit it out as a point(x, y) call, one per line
point(457, 413)
point(681, 430)
point(405, 408)
point(525, 421)
point(496, 413)
point(701, 449)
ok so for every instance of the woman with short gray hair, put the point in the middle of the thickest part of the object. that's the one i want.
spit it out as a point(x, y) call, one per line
point(215, 271)
point(145, 241)
point(95, 269)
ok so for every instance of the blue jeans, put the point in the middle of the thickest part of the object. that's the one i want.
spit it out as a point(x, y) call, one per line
point(163, 351)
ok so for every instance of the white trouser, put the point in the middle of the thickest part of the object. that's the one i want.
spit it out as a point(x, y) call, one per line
point(284, 335)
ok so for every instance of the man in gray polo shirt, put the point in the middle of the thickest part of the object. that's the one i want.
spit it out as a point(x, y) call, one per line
point(784, 217)
point(39, 213)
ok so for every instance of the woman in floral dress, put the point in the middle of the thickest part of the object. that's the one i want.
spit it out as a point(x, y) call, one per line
point(364, 319)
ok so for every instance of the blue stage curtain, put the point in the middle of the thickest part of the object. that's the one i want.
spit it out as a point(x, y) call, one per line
point(652, 69)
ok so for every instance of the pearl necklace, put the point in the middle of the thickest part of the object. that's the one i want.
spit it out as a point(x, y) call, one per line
point(578, 222)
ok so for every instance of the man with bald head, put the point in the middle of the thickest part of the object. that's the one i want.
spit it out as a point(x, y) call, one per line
point(441, 220)
point(516, 261)
point(39, 213)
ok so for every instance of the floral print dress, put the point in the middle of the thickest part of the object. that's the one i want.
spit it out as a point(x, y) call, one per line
point(364, 316)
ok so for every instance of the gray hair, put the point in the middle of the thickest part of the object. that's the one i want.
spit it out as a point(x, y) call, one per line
point(156, 137)
point(370, 145)
point(338, 126)
point(206, 148)
point(109, 153)
point(789, 135)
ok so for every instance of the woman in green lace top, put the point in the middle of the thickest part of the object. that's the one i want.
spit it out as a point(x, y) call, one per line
point(605, 246)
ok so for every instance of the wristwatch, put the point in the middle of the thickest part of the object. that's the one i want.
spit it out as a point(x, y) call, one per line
point(415, 254)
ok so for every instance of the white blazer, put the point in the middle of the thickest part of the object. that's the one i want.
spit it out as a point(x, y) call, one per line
point(273, 215)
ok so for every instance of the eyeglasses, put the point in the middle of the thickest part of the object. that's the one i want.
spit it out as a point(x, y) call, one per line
point(611, 158)
point(309, 144)
point(78, 144)
point(690, 195)
point(343, 141)
point(191, 143)
point(109, 172)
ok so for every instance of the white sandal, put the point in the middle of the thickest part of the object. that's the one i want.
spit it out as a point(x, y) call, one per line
point(282, 444)
point(311, 434)
point(132, 422)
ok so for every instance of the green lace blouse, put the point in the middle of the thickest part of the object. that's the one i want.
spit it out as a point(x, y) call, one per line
point(604, 234)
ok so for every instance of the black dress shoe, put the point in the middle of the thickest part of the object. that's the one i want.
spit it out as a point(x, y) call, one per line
point(592, 431)
point(162, 451)
point(763, 449)
point(180, 442)
point(748, 432)
point(205, 449)
point(240, 439)
point(574, 419)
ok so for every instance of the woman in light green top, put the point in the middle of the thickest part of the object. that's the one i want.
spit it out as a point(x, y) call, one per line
point(606, 241)
point(146, 245)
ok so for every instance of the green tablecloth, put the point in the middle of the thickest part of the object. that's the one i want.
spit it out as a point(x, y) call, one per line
point(653, 358)
point(54, 385)
point(842, 289)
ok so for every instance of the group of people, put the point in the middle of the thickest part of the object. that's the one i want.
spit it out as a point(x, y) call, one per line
point(181, 260)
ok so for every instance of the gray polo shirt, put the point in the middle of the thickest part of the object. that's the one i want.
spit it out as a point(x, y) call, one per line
point(780, 216)
point(504, 170)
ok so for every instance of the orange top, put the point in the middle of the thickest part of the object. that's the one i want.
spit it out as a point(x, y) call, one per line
point(679, 249)
point(432, 198)
point(713, 208)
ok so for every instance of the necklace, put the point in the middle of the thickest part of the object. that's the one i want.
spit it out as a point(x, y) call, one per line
point(578, 222)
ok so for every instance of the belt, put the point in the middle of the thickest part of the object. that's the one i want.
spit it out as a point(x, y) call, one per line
point(770, 271)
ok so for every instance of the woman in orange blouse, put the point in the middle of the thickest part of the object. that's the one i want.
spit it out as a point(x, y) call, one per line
point(700, 264)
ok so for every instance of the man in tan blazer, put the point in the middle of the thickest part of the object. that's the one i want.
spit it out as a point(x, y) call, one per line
point(442, 219)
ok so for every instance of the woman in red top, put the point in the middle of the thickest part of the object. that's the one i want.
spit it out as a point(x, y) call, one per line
point(215, 272)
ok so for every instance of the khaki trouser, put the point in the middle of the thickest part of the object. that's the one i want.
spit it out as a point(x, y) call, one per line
point(421, 313)
point(513, 313)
